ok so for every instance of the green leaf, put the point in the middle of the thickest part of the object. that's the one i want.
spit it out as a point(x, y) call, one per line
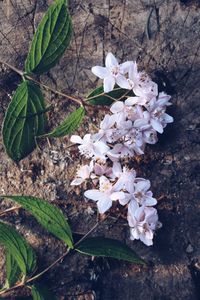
point(18, 248)
point(99, 246)
point(24, 120)
point(13, 271)
point(40, 292)
point(98, 97)
point(48, 215)
point(50, 40)
point(70, 124)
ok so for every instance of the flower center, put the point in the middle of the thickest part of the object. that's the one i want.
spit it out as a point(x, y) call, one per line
point(115, 70)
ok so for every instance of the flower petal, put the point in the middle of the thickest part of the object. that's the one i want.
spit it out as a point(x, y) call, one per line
point(122, 82)
point(104, 204)
point(126, 66)
point(100, 72)
point(117, 107)
point(157, 125)
point(94, 194)
point(143, 185)
point(76, 139)
point(108, 84)
point(111, 61)
point(150, 201)
point(132, 101)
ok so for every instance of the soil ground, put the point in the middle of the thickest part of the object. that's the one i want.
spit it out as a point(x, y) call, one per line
point(163, 36)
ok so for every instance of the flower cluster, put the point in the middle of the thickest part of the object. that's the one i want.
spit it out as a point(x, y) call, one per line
point(123, 134)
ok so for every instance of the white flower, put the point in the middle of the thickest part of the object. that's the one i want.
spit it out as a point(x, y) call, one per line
point(83, 173)
point(90, 148)
point(112, 73)
point(141, 84)
point(105, 195)
point(106, 132)
point(143, 222)
point(119, 151)
point(140, 192)
point(102, 169)
point(125, 178)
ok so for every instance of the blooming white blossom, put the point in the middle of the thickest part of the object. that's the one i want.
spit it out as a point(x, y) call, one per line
point(112, 73)
point(83, 173)
point(141, 194)
point(141, 84)
point(125, 178)
point(143, 222)
point(105, 195)
point(123, 133)
point(90, 148)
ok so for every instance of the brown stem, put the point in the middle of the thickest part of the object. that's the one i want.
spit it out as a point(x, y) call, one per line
point(78, 101)
point(12, 68)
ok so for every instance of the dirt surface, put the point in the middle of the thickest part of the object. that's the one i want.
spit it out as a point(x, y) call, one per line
point(168, 49)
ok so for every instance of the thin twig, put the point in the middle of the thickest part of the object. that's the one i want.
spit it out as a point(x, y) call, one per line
point(2, 213)
point(78, 101)
point(12, 68)
point(21, 284)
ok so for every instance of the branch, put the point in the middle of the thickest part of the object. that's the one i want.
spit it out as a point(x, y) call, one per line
point(21, 284)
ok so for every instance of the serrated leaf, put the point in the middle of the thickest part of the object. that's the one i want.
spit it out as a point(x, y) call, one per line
point(50, 40)
point(13, 271)
point(99, 246)
point(48, 215)
point(24, 120)
point(40, 292)
point(98, 97)
point(69, 125)
point(18, 248)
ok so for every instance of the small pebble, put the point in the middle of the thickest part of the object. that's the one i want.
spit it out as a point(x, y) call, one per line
point(189, 249)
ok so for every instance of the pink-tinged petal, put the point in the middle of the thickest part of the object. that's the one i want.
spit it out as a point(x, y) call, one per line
point(103, 180)
point(117, 196)
point(132, 101)
point(139, 214)
point(100, 72)
point(122, 82)
point(108, 84)
point(150, 201)
point(105, 123)
point(100, 147)
point(117, 169)
point(157, 125)
point(123, 200)
point(111, 61)
point(168, 118)
point(87, 138)
point(142, 123)
point(76, 139)
point(104, 204)
point(77, 181)
point(117, 107)
point(130, 186)
point(133, 72)
point(131, 220)
point(143, 185)
point(94, 194)
point(124, 67)
point(134, 234)
point(133, 207)
point(147, 239)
